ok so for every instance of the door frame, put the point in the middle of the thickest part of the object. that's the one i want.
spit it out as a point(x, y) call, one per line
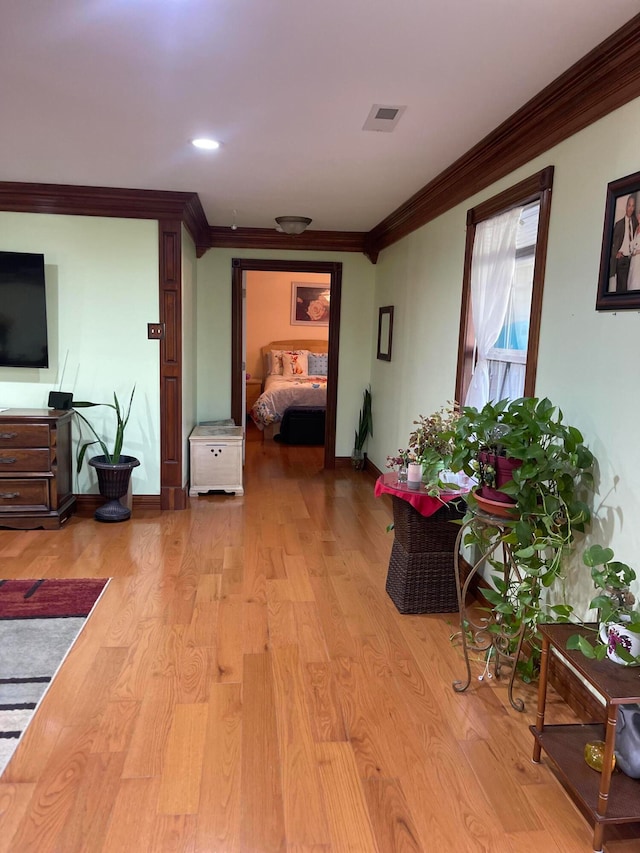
point(241, 265)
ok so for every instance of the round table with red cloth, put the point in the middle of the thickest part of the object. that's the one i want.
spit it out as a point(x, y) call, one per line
point(387, 484)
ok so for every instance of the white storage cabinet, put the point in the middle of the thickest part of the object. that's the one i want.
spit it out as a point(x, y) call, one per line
point(216, 459)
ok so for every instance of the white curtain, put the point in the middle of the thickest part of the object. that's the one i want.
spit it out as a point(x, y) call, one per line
point(506, 380)
point(492, 271)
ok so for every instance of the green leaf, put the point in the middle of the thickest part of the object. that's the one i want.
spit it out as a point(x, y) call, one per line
point(624, 655)
point(493, 596)
point(596, 555)
point(525, 553)
point(583, 645)
point(564, 610)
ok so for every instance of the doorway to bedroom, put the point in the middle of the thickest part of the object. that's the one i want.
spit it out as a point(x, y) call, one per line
point(285, 334)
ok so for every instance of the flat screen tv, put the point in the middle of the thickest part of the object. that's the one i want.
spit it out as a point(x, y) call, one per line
point(23, 311)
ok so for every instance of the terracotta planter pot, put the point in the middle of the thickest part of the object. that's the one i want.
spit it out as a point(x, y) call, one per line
point(501, 508)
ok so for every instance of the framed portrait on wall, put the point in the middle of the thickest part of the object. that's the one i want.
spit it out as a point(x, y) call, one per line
point(309, 304)
point(619, 279)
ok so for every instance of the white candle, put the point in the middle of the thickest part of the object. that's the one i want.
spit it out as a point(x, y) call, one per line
point(414, 475)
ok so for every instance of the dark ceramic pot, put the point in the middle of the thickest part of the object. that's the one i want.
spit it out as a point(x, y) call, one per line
point(113, 482)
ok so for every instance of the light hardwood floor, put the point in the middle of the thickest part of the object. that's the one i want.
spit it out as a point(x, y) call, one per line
point(245, 684)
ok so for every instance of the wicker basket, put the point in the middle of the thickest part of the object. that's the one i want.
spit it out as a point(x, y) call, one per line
point(418, 533)
point(421, 577)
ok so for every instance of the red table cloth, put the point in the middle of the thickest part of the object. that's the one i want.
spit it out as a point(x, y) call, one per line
point(387, 484)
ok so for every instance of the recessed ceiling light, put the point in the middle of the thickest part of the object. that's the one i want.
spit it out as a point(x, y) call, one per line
point(206, 144)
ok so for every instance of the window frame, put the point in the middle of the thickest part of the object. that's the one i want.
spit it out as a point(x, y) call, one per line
point(538, 187)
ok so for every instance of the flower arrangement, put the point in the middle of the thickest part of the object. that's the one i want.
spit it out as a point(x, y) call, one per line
point(430, 443)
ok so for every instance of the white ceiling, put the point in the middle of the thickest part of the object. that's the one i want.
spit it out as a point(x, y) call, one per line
point(108, 93)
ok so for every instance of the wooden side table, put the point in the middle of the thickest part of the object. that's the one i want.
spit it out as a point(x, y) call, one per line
point(605, 798)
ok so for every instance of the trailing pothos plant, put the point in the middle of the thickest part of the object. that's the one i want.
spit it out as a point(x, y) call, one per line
point(614, 602)
point(547, 491)
point(122, 419)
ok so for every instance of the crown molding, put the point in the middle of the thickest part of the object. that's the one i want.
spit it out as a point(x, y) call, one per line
point(602, 81)
point(107, 201)
point(269, 238)
point(606, 78)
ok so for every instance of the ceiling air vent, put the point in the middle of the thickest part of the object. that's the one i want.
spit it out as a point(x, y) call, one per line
point(383, 117)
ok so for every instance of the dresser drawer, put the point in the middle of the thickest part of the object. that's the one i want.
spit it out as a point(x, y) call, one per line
point(36, 460)
point(24, 435)
point(17, 494)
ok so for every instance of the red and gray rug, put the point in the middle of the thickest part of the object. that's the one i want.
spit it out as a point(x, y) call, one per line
point(39, 622)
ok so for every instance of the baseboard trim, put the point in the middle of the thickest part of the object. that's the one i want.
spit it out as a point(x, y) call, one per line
point(174, 497)
point(86, 505)
point(369, 468)
point(343, 462)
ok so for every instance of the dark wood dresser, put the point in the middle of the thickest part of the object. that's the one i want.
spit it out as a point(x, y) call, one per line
point(35, 468)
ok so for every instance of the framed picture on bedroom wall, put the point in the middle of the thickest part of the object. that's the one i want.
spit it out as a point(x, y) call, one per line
point(309, 304)
point(619, 280)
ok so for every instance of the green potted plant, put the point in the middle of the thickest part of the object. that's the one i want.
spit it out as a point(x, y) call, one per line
point(617, 635)
point(113, 468)
point(550, 470)
point(365, 429)
point(431, 446)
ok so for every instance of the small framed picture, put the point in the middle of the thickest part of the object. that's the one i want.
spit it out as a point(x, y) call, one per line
point(309, 304)
point(385, 332)
point(619, 279)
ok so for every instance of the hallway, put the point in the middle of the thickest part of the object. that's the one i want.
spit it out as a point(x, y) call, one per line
point(245, 684)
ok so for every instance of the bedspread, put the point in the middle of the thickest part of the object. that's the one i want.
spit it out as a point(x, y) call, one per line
point(281, 392)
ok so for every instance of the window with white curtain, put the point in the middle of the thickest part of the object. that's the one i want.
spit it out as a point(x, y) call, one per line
point(507, 357)
point(502, 293)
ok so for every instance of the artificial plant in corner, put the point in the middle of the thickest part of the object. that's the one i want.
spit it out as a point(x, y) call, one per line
point(365, 429)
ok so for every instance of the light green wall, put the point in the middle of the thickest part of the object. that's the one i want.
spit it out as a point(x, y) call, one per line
point(189, 346)
point(588, 362)
point(214, 333)
point(102, 290)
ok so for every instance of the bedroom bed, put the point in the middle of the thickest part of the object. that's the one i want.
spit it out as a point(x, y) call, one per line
point(295, 372)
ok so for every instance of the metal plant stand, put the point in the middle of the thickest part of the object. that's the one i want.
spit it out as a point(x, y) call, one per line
point(488, 634)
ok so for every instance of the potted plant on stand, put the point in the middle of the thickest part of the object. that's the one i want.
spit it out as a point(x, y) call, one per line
point(112, 467)
point(365, 429)
point(550, 469)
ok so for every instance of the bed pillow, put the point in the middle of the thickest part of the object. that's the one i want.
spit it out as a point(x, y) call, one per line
point(274, 362)
point(274, 359)
point(295, 363)
point(318, 363)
